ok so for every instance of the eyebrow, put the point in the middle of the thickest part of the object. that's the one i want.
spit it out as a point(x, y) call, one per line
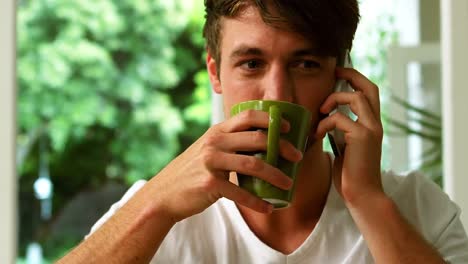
point(245, 50)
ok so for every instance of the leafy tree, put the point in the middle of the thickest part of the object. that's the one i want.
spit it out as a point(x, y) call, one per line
point(112, 86)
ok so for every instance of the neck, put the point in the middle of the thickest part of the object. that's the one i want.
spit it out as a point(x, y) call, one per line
point(312, 186)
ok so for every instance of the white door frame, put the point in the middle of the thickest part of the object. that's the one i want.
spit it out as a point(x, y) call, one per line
point(7, 133)
point(399, 60)
point(454, 43)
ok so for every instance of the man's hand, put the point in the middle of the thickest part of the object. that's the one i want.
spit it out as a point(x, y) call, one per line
point(187, 186)
point(357, 173)
point(200, 176)
point(390, 238)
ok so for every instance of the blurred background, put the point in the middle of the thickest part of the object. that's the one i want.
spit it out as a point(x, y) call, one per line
point(108, 92)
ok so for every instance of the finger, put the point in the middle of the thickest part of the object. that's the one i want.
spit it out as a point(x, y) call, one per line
point(337, 120)
point(243, 197)
point(289, 152)
point(252, 166)
point(360, 83)
point(251, 119)
point(358, 103)
point(250, 141)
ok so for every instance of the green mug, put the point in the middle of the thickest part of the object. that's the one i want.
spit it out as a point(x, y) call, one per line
point(300, 120)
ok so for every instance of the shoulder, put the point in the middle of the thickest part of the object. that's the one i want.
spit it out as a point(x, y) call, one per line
point(431, 212)
point(116, 206)
point(412, 184)
point(422, 202)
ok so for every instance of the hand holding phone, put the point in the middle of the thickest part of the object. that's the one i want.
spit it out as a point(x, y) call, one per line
point(336, 136)
point(358, 174)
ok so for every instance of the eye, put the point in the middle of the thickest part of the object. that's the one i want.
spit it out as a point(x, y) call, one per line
point(252, 65)
point(307, 64)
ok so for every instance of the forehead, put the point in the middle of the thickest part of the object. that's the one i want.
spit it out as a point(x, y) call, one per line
point(251, 13)
point(249, 29)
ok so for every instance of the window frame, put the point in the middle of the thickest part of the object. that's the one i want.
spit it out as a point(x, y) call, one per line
point(8, 191)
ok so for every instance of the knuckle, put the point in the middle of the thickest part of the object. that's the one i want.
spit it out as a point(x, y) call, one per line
point(337, 116)
point(359, 96)
point(208, 156)
point(208, 183)
point(212, 139)
point(213, 128)
point(258, 136)
point(354, 71)
point(253, 163)
point(248, 114)
point(220, 127)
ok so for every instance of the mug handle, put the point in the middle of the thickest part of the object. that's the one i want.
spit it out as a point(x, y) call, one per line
point(274, 126)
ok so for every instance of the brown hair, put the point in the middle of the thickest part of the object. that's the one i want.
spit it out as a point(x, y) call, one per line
point(329, 24)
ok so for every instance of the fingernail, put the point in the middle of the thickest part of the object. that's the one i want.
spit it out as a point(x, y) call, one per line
point(299, 154)
point(288, 183)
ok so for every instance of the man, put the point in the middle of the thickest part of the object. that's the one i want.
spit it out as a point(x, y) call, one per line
point(344, 210)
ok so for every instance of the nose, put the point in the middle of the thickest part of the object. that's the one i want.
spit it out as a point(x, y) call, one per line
point(279, 84)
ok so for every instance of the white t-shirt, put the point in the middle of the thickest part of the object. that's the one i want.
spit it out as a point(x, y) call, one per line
point(220, 234)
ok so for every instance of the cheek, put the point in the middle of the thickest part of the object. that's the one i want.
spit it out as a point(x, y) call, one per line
point(314, 94)
point(236, 90)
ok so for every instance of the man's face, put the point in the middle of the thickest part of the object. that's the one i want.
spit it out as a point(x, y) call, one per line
point(259, 61)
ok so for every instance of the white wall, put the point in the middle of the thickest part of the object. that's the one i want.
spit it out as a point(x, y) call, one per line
point(455, 100)
point(7, 134)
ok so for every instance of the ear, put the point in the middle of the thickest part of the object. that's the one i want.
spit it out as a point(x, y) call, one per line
point(213, 73)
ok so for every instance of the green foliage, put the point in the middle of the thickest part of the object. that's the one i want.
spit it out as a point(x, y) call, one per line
point(113, 86)
point(111, 64)
point(200, 111)
point(371, 59)
point(428, 126)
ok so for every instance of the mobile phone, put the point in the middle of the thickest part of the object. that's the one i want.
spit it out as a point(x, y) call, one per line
point(336, 136)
